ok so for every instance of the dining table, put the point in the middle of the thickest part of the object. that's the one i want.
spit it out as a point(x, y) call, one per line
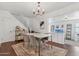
point(40, 36)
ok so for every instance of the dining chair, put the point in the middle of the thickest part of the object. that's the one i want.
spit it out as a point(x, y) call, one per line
point(32, 41)
point(44, 41)
point(26, 42)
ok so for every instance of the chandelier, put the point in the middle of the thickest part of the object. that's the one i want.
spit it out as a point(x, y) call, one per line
point(38, 10)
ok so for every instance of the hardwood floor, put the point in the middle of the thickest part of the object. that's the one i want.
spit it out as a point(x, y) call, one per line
point(7, 50)
point(72, 50)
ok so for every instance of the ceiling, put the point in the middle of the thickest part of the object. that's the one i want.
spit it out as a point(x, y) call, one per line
point(26, 8)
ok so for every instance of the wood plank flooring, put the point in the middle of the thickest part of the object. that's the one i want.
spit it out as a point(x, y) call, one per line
point(7, 50)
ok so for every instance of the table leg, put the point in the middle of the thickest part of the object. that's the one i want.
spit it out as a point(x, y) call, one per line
point(51, 41)
point(28, 42)
point(39, 47)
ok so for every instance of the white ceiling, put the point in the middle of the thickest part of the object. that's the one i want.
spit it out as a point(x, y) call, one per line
point(26, 8)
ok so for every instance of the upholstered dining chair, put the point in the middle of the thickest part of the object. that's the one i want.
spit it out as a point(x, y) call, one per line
point(33, 42)
point(29, 40)
point(26, 42)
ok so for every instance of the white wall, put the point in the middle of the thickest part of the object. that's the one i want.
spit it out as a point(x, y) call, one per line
point(7, 26)
point(35, 24)
point(24, 20)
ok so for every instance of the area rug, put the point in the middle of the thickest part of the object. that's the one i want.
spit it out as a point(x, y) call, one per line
point(54, 51)
point(20, 50)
